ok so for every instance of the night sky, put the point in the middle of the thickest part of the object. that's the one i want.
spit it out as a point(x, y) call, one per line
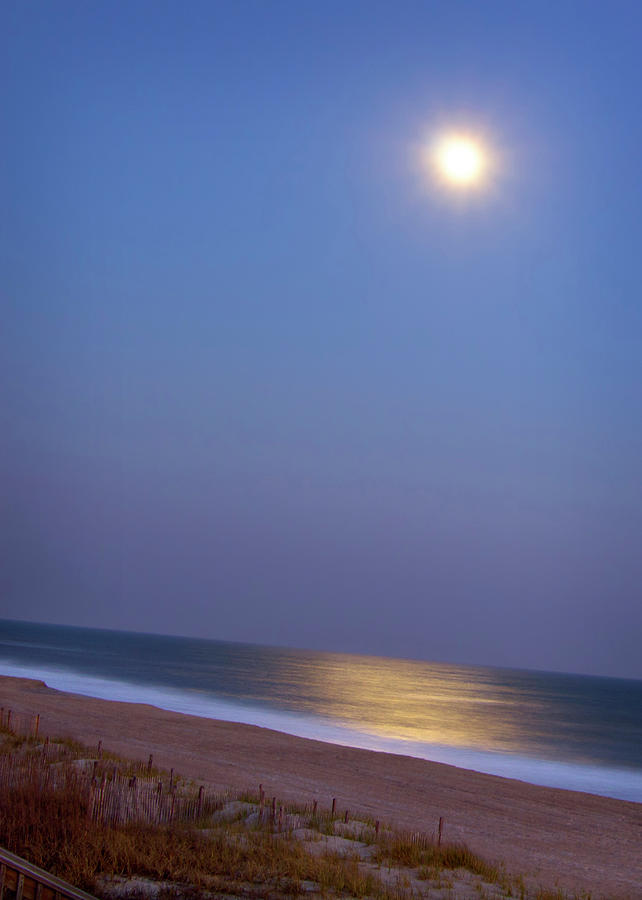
point(265, 380)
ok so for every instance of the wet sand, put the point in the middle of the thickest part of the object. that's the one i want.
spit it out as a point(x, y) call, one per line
point(554, 838)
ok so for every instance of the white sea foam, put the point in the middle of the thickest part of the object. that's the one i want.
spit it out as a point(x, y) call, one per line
point(623, 784)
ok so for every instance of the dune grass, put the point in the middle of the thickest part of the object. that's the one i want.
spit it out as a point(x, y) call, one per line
point(420, 851)
point(50, 828)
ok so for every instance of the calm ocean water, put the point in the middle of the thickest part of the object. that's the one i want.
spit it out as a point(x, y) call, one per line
point(571, 731)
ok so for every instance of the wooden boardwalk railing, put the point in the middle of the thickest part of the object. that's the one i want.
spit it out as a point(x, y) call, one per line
point(19, 880)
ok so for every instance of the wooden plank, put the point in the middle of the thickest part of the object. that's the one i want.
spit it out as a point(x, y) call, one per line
point(3, 869)
point(31, 888)
point(11, 878)
point(21, 885)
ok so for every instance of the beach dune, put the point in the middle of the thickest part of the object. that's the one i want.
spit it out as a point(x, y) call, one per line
point(555, 838)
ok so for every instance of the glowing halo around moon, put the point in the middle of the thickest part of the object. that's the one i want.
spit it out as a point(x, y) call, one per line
point(458, 161)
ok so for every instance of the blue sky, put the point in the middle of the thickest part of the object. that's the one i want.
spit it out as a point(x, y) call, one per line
point(264, 382)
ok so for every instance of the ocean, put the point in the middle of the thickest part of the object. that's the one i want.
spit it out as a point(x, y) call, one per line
point(570, 731)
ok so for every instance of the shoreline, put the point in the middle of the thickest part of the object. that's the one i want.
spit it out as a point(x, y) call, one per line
point(553, 837)
point(586, 776)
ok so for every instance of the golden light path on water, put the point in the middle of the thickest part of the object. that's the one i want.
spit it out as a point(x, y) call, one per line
point(398, 699)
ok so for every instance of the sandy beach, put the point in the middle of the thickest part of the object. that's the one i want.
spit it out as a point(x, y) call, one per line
point(555, 838)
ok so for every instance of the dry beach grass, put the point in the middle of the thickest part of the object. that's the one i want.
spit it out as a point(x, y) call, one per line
point(561, 840)
point(123, 829)
point(51, 814)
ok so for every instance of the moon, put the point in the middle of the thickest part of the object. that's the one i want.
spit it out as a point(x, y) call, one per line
point(459, 160)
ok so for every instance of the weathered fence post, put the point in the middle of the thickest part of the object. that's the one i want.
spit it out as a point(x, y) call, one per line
point(315, 804)
point(200, 801)
point(334, 805)
point(35, 733)
point(441, 828)
point(100, 750)
point(377, 828)
point(346, 817)
point(149, 763)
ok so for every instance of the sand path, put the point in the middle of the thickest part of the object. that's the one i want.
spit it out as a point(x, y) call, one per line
point(559, 839)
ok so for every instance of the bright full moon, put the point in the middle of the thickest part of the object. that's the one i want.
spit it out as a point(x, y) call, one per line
point(460, 161)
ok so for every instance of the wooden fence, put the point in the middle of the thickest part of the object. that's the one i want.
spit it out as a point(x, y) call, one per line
point(119, 800)
point(115, 797)
point(25, 724)
point(113, 792)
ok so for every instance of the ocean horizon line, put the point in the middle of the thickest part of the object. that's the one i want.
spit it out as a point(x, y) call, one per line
point(326, 651)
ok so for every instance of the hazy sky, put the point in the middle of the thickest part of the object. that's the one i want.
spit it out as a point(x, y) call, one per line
point(263, 382)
